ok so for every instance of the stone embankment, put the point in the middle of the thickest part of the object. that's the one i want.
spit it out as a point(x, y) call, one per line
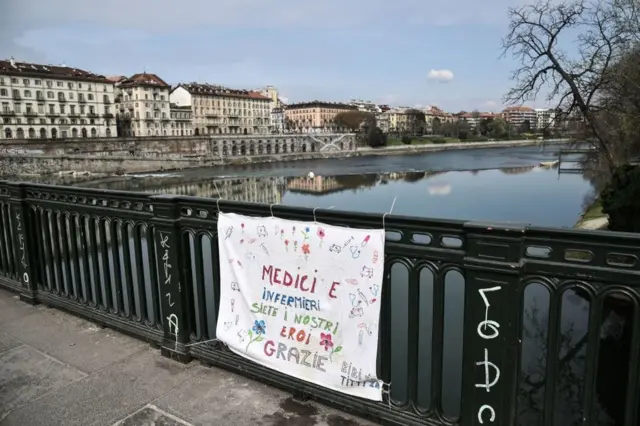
point(109, 157)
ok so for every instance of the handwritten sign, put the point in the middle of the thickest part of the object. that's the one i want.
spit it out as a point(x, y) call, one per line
point(487, 330)
point(303, 298)
point(165, 247)
point(21, 249)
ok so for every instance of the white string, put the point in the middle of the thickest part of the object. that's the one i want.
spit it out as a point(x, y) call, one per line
point(389, 212)
point(215, 185)
point(314, 213)
point(271, 209)
point(204, 342)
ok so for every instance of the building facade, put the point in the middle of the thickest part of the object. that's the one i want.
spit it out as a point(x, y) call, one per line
point(402, 120)
point(366, 106)
point(48, 101)
point(277, 120)
point(220, 110)
point(143, 106)
point(181, 118)
point(517, 116)
point(545, 118)
point(314, 117)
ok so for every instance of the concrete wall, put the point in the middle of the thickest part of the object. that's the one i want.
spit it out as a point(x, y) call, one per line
point(129, 155)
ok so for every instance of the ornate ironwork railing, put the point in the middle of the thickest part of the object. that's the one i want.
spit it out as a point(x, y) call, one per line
point(480, 323)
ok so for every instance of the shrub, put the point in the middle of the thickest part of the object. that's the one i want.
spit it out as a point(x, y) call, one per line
point(621, 199)
point(406, 140)
point(438, 140)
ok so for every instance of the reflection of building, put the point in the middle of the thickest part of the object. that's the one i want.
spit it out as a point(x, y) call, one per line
point(517, 170)
point(316, 185)
point(265, 190)
point(49, 101)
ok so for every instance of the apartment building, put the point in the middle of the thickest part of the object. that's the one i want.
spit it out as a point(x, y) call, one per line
point(517, 115)
point(431, 113)
point(181, 118)
point(143, 105)
point(474, 118)
point(49, 101)
point(220, 110)
point(314, 116)
point(545, 118)
point(401, 120)
point(278, 120)
point(366, 106)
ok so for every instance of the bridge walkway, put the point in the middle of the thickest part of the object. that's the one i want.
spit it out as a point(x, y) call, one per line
point(57, 369)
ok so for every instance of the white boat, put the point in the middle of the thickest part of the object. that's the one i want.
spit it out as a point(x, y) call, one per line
point(549, 163)
point(311, 175)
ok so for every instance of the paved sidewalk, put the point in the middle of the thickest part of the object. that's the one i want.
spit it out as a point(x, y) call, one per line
point(56, 369)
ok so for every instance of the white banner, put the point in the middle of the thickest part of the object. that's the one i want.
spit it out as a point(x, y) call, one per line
point(303, 298)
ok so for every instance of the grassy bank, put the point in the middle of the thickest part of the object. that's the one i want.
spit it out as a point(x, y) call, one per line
point(593, 217)
point(428, 140)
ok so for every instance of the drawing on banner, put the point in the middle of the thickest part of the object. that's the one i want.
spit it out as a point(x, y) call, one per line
point(292, 309)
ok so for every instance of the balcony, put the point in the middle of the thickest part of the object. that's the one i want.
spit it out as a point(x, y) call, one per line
point(107, 115)
point(74, 115)
point(107, 101)
point(60, 99)
point(16, 96)
point(156, 107)
point(82, 100)
point(30, 114)
point(92, 115)
point(53, 114)
point(40, 98)
point(7, 113)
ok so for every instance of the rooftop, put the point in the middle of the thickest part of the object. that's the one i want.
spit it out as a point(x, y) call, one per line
point(216, 90)
point(144, 79)
point(518, 109)
point(321, 104)
point(25, 69)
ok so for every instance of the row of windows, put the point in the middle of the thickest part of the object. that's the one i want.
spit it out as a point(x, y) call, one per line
point(256, 104)
point(50, 95)
point(49, 83)
point(82, 109)
point(31, 133)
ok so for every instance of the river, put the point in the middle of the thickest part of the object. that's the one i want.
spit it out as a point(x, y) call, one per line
point(497, 185)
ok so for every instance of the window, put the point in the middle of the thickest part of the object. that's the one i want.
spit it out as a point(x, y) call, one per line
point(27, 93)
point(92, 109)
point(70, 95)
point(25, 81)
point(70, 85)
point(90, 96)
point(18, 108)
point(59, 83)
point(50, 95)
point(61, 109)
point(49, 83)
point(82, 109)
point(79, 85)
point(3, 92)
point(52, 109)
point(38, 82)
point(72, 109)
point(89, 87)
point(14, 81)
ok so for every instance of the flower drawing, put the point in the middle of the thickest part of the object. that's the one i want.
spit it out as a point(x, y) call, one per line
point(326, 341)
point(281, 233)
point(242, 226)
point(293, 231)
point(286, 244)
point(256, 332)
point(295, 245)
point(305, 250)
point(321, 234)
point(305, 233)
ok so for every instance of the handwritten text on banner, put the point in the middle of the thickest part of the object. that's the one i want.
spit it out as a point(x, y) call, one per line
point(303, 298)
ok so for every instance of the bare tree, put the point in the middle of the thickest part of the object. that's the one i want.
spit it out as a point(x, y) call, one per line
point(537, 36)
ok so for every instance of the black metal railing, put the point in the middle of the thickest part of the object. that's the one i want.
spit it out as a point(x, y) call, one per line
point(480, 323)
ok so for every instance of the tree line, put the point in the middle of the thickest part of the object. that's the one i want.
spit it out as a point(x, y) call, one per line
point(584, 57)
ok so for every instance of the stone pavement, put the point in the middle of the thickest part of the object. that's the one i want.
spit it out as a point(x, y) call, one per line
point(56, 369)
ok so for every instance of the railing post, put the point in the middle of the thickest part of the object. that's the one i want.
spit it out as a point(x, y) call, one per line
point(492, 307)
point(174, 292)
point(23, 232)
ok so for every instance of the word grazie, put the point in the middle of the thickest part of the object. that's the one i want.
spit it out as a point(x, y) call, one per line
point(298, 281)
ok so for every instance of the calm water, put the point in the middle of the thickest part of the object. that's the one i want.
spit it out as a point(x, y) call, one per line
point(491, 185)
point(500, 185)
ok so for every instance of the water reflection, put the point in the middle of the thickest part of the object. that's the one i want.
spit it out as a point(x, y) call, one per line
point(514, 194)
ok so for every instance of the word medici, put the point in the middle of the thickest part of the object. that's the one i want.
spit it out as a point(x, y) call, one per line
point(282, 277)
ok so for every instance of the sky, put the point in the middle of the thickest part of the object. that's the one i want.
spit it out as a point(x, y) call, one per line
point(398, 52)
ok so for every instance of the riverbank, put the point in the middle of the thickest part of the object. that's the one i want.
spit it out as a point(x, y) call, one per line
point(593, 218)
point(101, 166)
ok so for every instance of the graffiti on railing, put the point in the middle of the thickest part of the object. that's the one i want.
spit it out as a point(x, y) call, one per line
point(166, 268)
point(22, 248)
point(486, 411)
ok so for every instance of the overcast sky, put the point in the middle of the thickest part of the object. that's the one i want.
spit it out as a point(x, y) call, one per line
point(400, 52)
